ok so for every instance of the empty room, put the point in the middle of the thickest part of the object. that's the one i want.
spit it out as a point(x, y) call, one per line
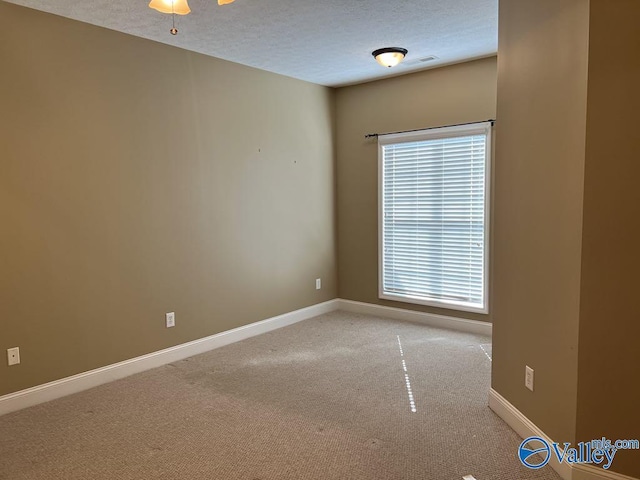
point(277, 239)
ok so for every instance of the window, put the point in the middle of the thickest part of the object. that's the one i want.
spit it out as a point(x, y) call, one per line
point(434, 216)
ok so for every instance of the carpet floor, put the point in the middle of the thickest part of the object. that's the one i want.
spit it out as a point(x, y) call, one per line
point(340, 396)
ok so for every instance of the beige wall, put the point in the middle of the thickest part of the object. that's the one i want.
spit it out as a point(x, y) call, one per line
point(443, 96)
point(566, 218)
point(538, 189)
point(138, 179)
point(609, 355)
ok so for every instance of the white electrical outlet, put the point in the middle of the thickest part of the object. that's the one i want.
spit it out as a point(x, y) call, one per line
point(171, 319)
point(528, 377)
point(318, 283)
point(13, 356)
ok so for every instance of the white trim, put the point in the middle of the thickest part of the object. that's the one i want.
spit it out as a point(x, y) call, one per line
point(93, 378)
point(451, 131)
point(431, 319)
point(525, 428)
point(447, 304)
point(380, 216)
point(83, 381)
point(485, 128)
point(589, 472)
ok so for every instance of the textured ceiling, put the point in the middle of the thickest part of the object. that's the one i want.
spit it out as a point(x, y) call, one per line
point(328, 42)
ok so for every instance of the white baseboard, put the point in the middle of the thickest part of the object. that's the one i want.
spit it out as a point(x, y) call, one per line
point(83, 381)
point(589, 472)
point(525, 428)
point(93, 378)
point(431, 319)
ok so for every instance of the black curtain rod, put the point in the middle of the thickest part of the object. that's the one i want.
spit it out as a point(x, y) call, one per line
point(370, 135)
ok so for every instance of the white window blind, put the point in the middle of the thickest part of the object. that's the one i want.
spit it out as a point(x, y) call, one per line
point(434, 216)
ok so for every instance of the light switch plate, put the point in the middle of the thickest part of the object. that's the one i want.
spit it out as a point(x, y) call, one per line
point(528, 377)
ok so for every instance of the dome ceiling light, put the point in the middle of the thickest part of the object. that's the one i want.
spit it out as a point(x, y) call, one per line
point(390, 56)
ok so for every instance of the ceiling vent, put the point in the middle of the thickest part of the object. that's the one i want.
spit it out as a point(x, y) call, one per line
point(421, 61)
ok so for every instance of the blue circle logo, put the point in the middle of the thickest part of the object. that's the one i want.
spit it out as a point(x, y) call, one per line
point(534, 452)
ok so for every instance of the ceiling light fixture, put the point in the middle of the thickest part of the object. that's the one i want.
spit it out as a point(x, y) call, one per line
point(177, 7)
point(390, 56)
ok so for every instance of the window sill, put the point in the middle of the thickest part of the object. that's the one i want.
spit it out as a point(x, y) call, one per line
point(461, 307)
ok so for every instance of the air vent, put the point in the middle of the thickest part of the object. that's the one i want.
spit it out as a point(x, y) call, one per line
point(420, 61)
